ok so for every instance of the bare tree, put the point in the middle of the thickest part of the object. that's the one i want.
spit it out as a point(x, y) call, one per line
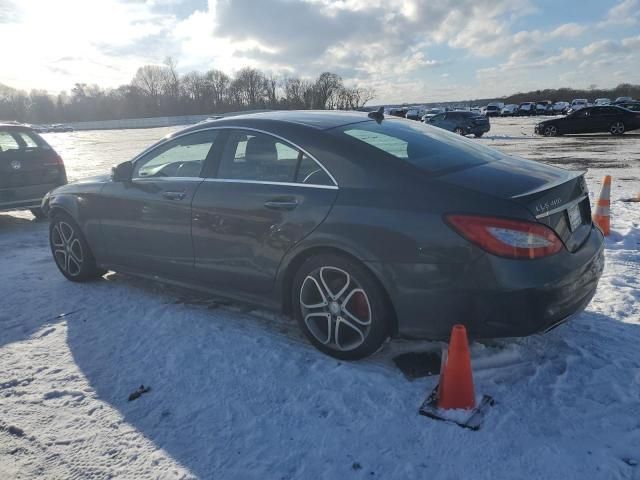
point(271, 87)
point(297, 93)
point(219, 84)
point(325, 89)
point(171, 79)
point(150, 79)
point(251, 84)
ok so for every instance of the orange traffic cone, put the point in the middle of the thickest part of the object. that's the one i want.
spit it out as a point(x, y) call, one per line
point(601, 217)
point(456, 386)
point(456, 379)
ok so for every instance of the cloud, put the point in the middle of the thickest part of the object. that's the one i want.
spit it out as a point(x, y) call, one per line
point(398, 47)
point(626, 12)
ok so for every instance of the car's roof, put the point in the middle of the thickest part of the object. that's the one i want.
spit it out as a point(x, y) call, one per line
point(320, 119)
point(15, 126)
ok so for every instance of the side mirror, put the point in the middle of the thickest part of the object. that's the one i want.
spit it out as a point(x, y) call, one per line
point(122, 172)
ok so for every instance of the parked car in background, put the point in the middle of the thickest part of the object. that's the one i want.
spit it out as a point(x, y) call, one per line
point(602, 101)
point(432, 112)
point(623, 99)
point(59, 127)
point(578, 103)
point(612, 119)
point(398, 112)
point(544, 107)
point(493, 109)
point(561, 108)
point(633, 106)
point(29, 168)
point(526, 108)
point(254, 208)
point(509, 110)
point(462, 123)
point(415, 113)
point(37, 128)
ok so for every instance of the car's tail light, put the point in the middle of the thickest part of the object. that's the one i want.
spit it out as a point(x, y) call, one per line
point(53, 160)
point(506, 237)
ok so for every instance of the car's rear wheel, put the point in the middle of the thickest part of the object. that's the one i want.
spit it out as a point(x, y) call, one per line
point(340, 307)
point(478, 135)
point(459, 131)
point(617, 128)
point(38, 213)
point(71, 251)
point(550, 131)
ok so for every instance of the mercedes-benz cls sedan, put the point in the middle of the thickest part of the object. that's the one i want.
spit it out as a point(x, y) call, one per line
point(362, 227)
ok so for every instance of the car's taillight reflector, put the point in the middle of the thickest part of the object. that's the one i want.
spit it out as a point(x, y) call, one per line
point(53, 159)
point(507, 237)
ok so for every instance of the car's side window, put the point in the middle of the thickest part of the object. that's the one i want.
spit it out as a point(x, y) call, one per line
point(250, 155)
point(182, 157)
point(256, 156)
point(310, 173)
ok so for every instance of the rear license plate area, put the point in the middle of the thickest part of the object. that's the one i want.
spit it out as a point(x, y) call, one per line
point(575, 217)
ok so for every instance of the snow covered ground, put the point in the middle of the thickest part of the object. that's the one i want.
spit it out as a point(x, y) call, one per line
point(239, 394)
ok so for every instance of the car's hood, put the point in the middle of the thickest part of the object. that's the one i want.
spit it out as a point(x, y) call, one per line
point(532, 184)
point(84, 183)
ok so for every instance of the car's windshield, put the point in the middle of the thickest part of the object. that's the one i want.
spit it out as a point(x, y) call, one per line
point(432, 149)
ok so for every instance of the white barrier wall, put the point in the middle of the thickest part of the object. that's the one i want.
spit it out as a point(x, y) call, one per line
point(139, 122)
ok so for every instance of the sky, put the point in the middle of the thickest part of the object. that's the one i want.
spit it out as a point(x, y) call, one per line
point(406, 50)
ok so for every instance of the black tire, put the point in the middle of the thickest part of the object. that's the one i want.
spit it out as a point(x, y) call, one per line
point(339, 320)
point(459, 131)
point(617, 128)
point(70, 250)
point(478, 135)
point(38, 213)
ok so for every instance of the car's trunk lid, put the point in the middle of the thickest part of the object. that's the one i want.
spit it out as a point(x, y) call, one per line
point(551, 194)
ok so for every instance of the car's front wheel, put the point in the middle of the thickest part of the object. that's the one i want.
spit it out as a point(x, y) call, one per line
point(71, 251)
point(617, 128)
point(340, 307)
point(550, 131)
point(459, 131)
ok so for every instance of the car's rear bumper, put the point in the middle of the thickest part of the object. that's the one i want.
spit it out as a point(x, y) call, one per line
point(476, 129)
point(18, 198)
point(494, 297)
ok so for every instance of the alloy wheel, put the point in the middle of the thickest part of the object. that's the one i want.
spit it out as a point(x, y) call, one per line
point(617, 128)
point(335, 308)
point(550, 131)
point(67, 248)
point(458, 131)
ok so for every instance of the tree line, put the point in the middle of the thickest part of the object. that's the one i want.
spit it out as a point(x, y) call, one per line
point(159, 90)
point(568, 94)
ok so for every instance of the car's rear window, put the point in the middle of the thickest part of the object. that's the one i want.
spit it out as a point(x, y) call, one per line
point(8, 141)
point(429, 148)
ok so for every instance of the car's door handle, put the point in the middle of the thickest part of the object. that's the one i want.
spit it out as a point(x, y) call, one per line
point(281, 203)
point(174, 195)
